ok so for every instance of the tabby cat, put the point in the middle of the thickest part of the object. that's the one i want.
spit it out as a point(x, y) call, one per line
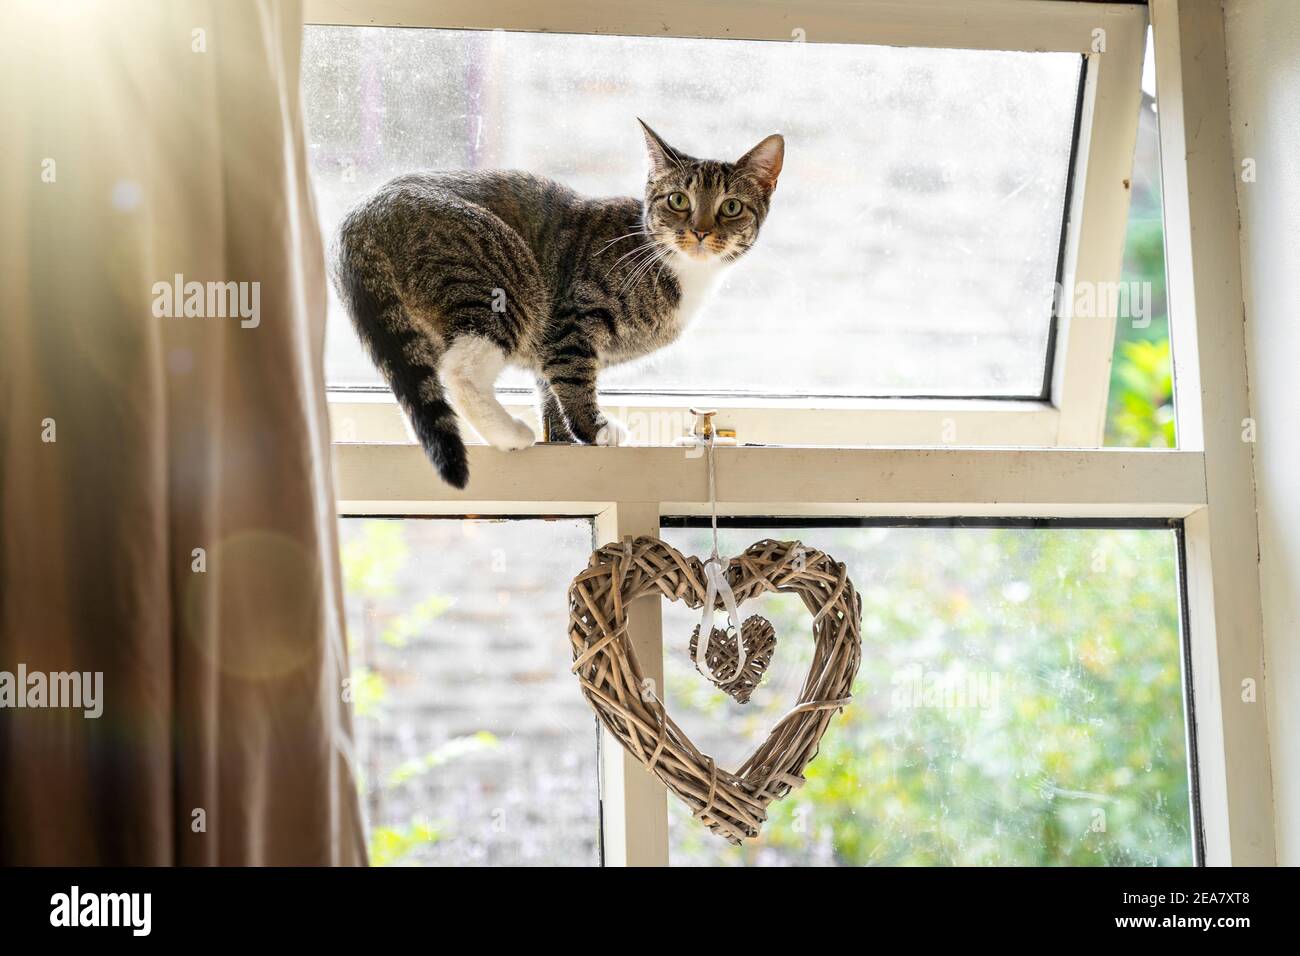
point(451, 276)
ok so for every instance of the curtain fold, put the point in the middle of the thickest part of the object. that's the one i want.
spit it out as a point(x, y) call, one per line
point(166, 502)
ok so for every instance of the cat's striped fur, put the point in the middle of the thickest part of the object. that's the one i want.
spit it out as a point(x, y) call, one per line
point(451, 276)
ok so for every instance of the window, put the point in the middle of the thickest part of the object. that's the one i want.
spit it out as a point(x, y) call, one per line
point(971, 512)
point(1020, 700)
point(471, 747)
point(929, 238)
point(908, 252)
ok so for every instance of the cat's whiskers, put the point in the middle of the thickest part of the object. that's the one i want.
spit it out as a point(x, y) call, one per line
point(644, 267)
point(660, 271)
point(630, 279)
point(645, 246)
point(637, 232)
point(632, 276)
point(636, 256)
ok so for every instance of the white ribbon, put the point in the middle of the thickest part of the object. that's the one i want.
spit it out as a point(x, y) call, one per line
point(716, 586)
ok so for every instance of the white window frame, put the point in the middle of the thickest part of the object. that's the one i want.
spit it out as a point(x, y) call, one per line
point(1032, 459)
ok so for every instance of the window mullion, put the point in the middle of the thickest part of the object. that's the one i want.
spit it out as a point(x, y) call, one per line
point(567, 479)
point(634, 804)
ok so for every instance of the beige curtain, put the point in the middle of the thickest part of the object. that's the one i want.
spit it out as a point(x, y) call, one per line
point(166, 504)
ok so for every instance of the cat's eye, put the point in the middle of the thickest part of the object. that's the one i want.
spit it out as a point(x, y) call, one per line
point(731, 208)
point(678, 202)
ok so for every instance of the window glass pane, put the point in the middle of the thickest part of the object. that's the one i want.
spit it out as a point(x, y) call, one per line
point(912, 245)
point(1141, 409)
point(1019, 702)
point(473, 743)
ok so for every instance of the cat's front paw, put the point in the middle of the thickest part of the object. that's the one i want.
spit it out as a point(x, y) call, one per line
point(512, 436)
point(612, 432)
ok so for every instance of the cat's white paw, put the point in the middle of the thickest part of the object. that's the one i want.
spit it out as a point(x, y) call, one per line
point(613, 433)
point(513, 436)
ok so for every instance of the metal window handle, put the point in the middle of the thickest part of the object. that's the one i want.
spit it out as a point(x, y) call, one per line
point(704, 422)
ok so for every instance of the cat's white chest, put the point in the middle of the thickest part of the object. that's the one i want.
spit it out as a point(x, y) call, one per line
point(697, 281)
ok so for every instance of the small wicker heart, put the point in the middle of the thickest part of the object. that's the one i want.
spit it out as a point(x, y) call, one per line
point(758, 637)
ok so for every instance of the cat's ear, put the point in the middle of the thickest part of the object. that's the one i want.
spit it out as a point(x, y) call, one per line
point(662, 156)
point(763, 162)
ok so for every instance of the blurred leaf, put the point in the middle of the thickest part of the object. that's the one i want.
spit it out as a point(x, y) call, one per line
point(371, 560)
point(388, 845)
point(453, 749)
point(406, 626)
point(368, 693)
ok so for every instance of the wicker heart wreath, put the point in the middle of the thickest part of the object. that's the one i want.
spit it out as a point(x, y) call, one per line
point(733, 805)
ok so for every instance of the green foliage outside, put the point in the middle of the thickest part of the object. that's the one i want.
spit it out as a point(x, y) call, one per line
point(1141, 410)
point(1019, 703)
point(371, 560)
point(1140, 413)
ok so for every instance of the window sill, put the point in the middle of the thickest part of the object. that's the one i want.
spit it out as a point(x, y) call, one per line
point(656, 420)
point(581, 479)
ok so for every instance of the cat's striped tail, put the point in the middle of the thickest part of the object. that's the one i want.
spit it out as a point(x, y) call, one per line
point(404, 353)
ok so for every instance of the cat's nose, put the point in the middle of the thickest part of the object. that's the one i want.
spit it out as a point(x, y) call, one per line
point(701, 236)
